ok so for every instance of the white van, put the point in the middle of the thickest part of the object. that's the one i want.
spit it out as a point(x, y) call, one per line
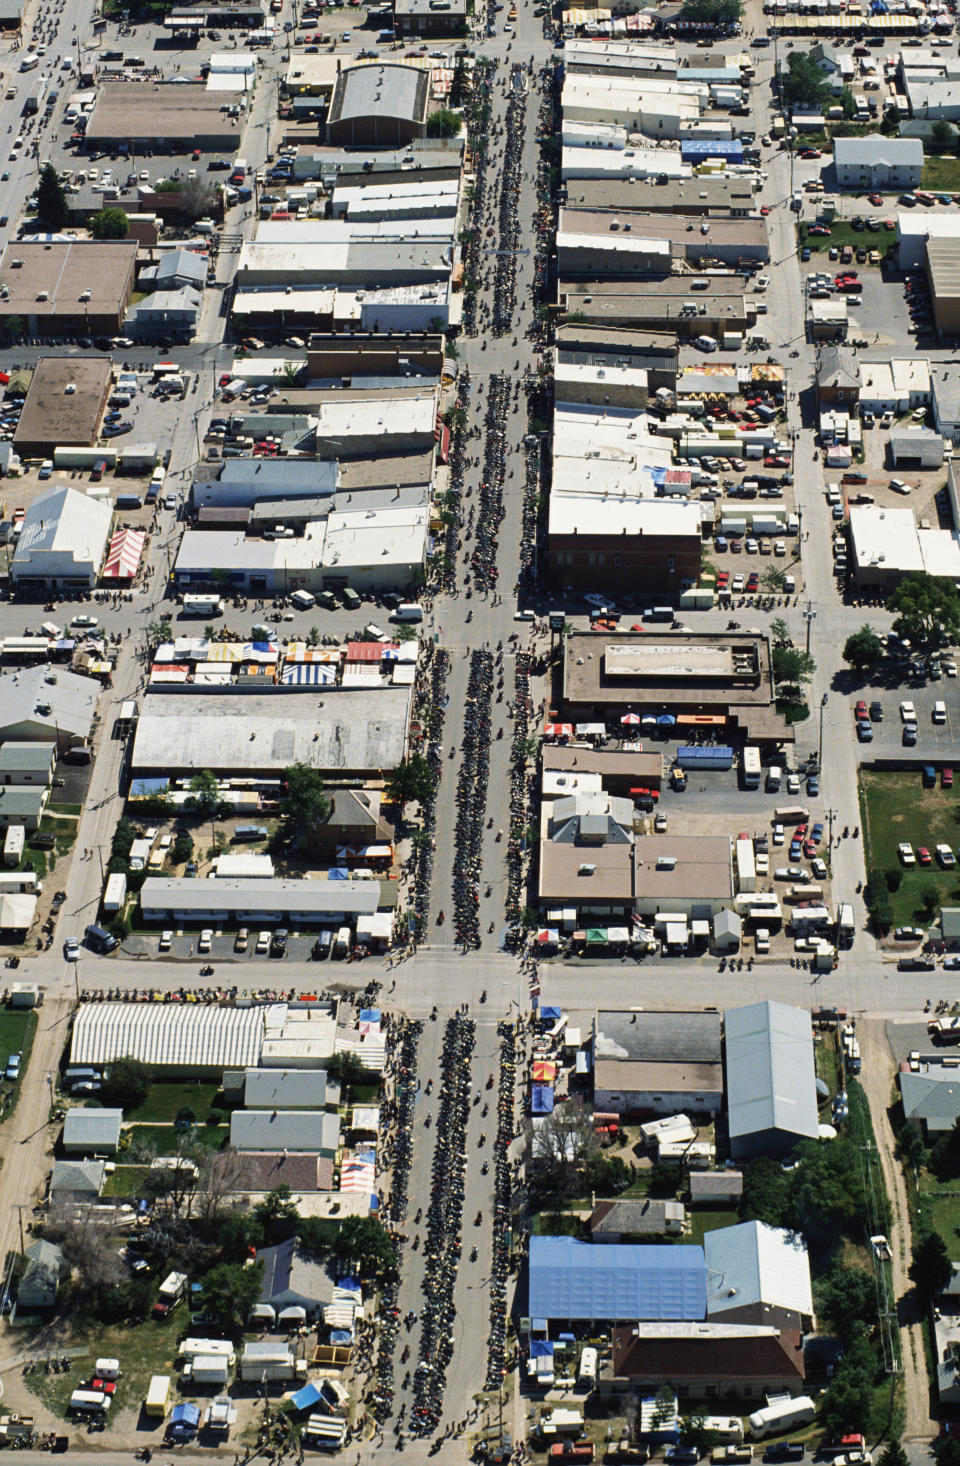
point(407, 611)
point(303, 600)
point(706, 343)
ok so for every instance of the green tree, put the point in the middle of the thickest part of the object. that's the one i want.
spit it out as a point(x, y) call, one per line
point(945, 1154)
point(411, 782)
point(846, 1402)
point(230, 1290)
point(363, 1245)
point(847, 1299)
point(863, 649)
point(52, 208)
point(204, 796)
point(773, 579)
point(664, 1405)
point(893, 1454)
point(127, 1081)
point(912, 1145)
point(803, 84)
point(182, 848)
point(443, 123)
point(303, 803)
point(317, 1234)
point(290, 374)
point(941, 137)
point(695, 1432)
point(927, 610)
point(878, 901)
point(791, 664)
point(277, 1212)
point(931, 1268)
point(765, 1192)
point(720, 13)
point(159, 630)
point(109, 224)
point(346, 1068)
point(780, 632)
point(946, 1450)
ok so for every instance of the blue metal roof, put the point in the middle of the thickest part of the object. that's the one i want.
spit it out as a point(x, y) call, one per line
point(700, 147)
point(541, 1099)
point(572, 1279)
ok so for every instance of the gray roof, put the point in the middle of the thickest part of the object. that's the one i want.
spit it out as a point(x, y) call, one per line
point(38, 1286)
point(671, 1037)
point(285, 1089)
point(915, 439)
point(22, 802)
point(80, 1177)
point(287, 1268)
point(26, 758)
point(752, 1263)
point(648, 1217)
point(837, 366)
point(347, 730)
point(899, 152)
point(770, 1070)
point(63, 521)
point(945, 385)
point(72, 701)
point(181, 265)
point(705, 1184)
point(950, 921)
point(306, 1130)
point(166, 1034)
point(932, 1098)
point(380, 89)
point(92, 1128)
point(264, 894)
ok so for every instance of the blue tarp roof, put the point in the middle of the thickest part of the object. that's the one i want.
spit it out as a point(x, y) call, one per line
point(341, 1336)
point(369, 1015)
point(711, 148)
point(548, 1012)
point(338, 873)
point(306, 1397)
point(541, 1099)
point(185, 1414)
point(572, 1279)
point(541, 1349)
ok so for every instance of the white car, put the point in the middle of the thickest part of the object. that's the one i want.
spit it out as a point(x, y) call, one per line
point(950, 668)
point(946, 857)
point(793, 784)
point(905, 852)
point(263, 942)
point(908, 713)
point(206, 937)
point(166, 939)
point(84, 622)
point(778, 834)
point(601, 602)
point(751, 547)
point(71, 949)
point(762, 861)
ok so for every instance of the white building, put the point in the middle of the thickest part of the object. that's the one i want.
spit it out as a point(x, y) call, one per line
point(915, 227)
point(62, 543)
point(898, 385)
point(644, 106)
point(876, 161)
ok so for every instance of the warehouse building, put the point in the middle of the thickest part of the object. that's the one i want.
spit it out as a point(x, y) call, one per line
point(356, 734)
point(175, 1040)
point(34, 710)
point(62, 543)
point(162, 116)
point(707, 1361)
point(309, 903)
point(887, 544)
point(379, 105)
point(758, 1274)
point(64, 405)
point(649, 1063)
point(771, 1090)
point(574, 1282)
point(67, 287)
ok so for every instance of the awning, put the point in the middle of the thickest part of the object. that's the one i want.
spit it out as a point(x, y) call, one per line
point(558, 730)
point(631, 720)
point(617, 934)
point(293, 1314)
point(666, 720)
point(124, 554)
point(596, 935)
point(541, 1099)
point(308, 675)
point(701, 720)
point(591, 730)
point(265, 1311)
point(298, 651)
point(544, 1071)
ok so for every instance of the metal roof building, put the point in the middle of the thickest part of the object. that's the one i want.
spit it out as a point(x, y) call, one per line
point(571, 1280)
point(256, 899)
point(280, 1130)
point(171, 1038)
point(287, 1089)
point(63, 542)
point(85, 1131)
point(771, 1093)
point(758, 1274)
point(378, 104)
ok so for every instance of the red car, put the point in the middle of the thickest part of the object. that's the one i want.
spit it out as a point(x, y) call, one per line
point(799, 832)
point(946, 778)
point(754, 582)
point(723, 580)
point(854, 478)
point(923, 855)
point(810, 153)
point(776, 460)
point(765, 209)
point(809, 848)
point(860, 711)
point(820, 231)
point(876, 199)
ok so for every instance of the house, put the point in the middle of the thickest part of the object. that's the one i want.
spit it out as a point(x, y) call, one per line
point(618, 1221)
point(759, 1275)
point(285, 1130)
point(353, 818)
point(572, 1281)
point(930, 1095)
point(27, 763)
point(293, 1279)
point(288, 1089)
point(878, 162)
point(657, 1063)
point(838, 375)
point(41, 1279)
point(707, 1360)
point(716, 1188)
point(88, 1131)
point(771, 1091)
point(77, 1180)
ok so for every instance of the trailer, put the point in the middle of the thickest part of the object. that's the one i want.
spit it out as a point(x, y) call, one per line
point(782, 1415)
point(846, 925)
point(708, 756)
point(13, 845)
point(158, 1396)
point(751, 767)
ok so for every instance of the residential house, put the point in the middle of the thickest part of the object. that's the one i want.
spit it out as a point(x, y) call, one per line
point(838, 376)
point(41, 1279)
point(619, 1221)
point(293, 1279)
point(88, 1132)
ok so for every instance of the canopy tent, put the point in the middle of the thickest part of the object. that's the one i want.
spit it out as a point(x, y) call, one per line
point(306, 1398)
point(541, 1099)
point(631, 720)
point(544, 1071)
point(124, 554)
point(548, 937)
point(558, 730)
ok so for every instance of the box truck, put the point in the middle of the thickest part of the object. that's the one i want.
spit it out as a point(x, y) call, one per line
point(158, 1396)
point(13, 845)
point(782, 1415)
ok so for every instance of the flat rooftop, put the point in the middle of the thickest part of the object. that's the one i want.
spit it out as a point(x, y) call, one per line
point(75, 277)
point(52, 414)
point(674, 228)
point(636, 669)
point(160, 109)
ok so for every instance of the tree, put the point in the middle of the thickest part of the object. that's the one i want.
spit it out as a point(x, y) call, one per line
point(931, 1268)
point(303, 802)
point(346, 1068)
point(204, 797)
point(109, 224)
point(803, 84)
point(197, 197)
point(863, 649)
point(363, 1245)
point(946, 1450)
point(182, 850)
point(52, 208)
point(695, 1432)
point(411, 782)
point(290, 374)
point(565, 1144)
point(878, 901)
point(765, 1192)
point(780, 632)
point(945, 1154)
point(664, 1405)
point(721, 13)
point(230, 1290)
point(848, 1300)
point(927, 610)
point(127, 1081)
point(773, 579)
point(845, 1405)
point(277, 1212)
point(443, 123)
point(941, 137)
point(89, 1250)
point(792, 665)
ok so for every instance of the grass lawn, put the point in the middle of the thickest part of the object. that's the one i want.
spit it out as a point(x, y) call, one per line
point(827, 1058)
point(126, 1181)
point(55, 809)
point(945, 1207)
point(705, 1219)
point(146, 1349)
point(164, 1101)
point(17, 1028)
point(165, 1137)
point(841, 233)
point(894, 807)
point(364, 1094)
point(941, 174)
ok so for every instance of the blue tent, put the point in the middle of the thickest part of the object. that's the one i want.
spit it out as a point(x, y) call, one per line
point(369, 1015)
point(306, 1398)
point(338, 873)
point(541, 1099)
point(551, 1013)
point(185, 1420)
point(541, 1349)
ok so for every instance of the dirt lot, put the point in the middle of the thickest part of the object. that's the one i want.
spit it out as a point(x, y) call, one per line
point(879, 470)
